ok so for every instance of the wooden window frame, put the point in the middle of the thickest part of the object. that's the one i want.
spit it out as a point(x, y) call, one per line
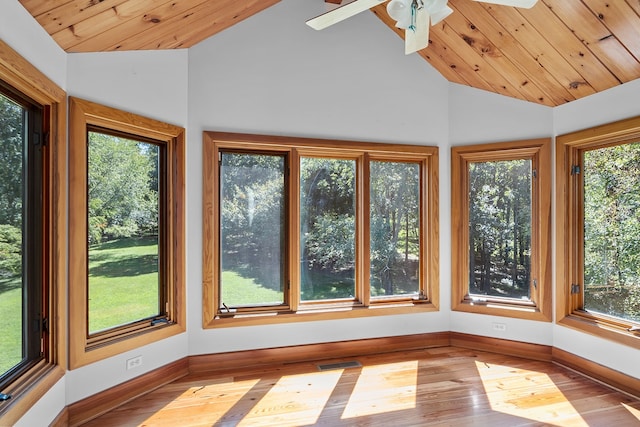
point(539, 152)
point(295, 311)
point(570, 233)
point(33, 383)
point(85, 349)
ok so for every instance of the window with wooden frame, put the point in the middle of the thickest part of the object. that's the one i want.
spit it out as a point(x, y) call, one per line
point(127, 282)
point(32, 234)
point(598, 232)
point(309, 229)
point(500, 237)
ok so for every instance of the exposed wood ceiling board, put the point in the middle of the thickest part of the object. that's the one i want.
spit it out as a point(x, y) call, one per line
point(231, 17)
point(38, 7)
point(491, 53)
point(170, 34)
point(597, 37)
point(635, 5)
point(199, 23)
point(560, 36)
point(491, 28)
point(107, 20)
point(131, 28)
point(476, 62)
point(73, 12)
point(621, 19)
point(538, 47)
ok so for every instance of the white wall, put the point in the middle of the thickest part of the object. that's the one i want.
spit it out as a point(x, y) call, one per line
point(614, 104)
point(272, 74)
point(20, 31)
point(153, 84)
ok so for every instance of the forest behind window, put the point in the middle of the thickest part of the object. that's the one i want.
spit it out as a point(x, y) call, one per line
point(612, 231)
point(500, 228)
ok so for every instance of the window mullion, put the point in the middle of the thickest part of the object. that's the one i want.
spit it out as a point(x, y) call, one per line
point(363, 227)
point(292, 292)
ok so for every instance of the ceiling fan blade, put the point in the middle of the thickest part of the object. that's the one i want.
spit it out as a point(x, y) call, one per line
point(416, 37)
point(341, 13)
point(525, 4)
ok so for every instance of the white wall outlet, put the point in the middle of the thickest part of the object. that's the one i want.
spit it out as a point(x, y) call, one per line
point(499, 326)
point(134, 362)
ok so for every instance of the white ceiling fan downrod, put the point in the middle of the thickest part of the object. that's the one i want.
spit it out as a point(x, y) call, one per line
point(404, 11)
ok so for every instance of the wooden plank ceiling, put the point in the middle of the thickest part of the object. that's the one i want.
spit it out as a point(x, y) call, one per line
point(554, 53)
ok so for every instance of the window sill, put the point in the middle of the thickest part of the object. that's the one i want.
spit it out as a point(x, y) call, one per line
point(493, 308)
point(601, 329)
point(27, 391)
point(323, 313)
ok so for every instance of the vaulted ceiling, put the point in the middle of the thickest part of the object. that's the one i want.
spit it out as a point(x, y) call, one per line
point(556, 52)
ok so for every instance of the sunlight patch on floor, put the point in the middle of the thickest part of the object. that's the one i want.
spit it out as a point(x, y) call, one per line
point(185, 406)
point(635, 412)
point(510, 394)
point(293, 400)
point(383, 388)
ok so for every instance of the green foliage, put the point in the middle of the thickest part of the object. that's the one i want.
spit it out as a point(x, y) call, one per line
point(394, 227)
point(327, 226)
point(11, 159)
point(10, 251)
point(252, 217)
point(500, 228)
point(612, 230)
point(123, 191)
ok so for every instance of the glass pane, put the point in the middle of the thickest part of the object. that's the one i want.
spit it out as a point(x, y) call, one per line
point(12, 183)
point(253, 229)
point(327, 228)
point(394, 228)
point(500, 228)
point(124, 221)
point(612, 231)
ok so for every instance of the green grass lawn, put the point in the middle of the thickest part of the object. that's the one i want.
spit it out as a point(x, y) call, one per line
point(123, 282)
point(10, 335)
point(238, 290)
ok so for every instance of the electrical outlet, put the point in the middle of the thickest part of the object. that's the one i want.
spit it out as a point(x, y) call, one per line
point(134, 362)
point(499, 326)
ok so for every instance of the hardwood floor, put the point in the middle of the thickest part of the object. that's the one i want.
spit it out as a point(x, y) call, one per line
point(445, 386)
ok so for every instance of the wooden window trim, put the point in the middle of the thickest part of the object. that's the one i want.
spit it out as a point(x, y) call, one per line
point(539, 151)
point(33, 384)
point(569, 253)
point(427, 156)
point(82, 349)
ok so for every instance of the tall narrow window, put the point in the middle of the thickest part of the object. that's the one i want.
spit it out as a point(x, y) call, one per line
point(253, 230)
point(125, 222)
point(394, 228)
point(500, 230)
point(327, 228)
point(127, 241)
point(598, 231)
point(21, 234)
point(611, 207)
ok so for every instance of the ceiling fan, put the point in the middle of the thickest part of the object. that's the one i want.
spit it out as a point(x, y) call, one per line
point(413, 16)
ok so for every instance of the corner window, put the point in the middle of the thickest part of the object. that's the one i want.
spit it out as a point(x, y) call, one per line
point(33, 225)
point(314, 229)
point(128, 239)
point(500, 235)
point(598, 250)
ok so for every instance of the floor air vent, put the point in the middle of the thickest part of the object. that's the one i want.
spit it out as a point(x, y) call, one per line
point(341, 365)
